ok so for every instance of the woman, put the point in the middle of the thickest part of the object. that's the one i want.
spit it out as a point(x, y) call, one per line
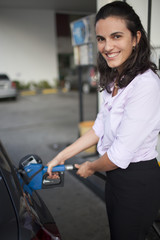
point(127, 126)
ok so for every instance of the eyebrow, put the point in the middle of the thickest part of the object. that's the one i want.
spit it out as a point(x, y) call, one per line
point(99, 36)
point(116, 33)
point(112, 34)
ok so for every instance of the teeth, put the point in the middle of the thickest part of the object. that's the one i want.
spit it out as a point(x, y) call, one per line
point(112, 55)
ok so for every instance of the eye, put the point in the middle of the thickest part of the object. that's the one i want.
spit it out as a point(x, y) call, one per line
point(117, 36)
point(100, 39)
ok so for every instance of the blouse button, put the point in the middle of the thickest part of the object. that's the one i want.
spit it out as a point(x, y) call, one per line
point(109, 107)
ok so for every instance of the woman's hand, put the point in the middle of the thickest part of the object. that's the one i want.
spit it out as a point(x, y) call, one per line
point(84, 169)
point(54, 162)
point(87, 140)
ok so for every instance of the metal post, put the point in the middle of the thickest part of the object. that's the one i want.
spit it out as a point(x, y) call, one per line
point(149, 19)
point(80, 93)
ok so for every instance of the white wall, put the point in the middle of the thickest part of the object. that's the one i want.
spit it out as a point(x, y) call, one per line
point(155, 31)
point(28, 45)
point(155, 22)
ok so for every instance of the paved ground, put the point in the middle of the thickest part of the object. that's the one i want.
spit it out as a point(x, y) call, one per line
point(79, 213)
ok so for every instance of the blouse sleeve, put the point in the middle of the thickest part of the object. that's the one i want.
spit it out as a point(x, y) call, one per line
point(141, 118)
point(98, 124)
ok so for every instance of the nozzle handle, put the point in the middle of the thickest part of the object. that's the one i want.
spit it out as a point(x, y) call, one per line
point(58, 168)
point(61, 168)
point(69, 167)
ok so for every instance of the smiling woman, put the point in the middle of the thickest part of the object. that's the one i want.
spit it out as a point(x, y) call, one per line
point(130, 85)
point(115, 41)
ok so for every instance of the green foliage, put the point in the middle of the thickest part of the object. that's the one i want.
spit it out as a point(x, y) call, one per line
point(43, 84)
point(22, 86)
point(32, 85)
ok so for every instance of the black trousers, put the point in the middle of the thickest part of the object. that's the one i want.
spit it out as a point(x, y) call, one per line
point(133, 199)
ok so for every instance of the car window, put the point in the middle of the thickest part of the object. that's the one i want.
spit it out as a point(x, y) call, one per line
point(3, 77)
point(8, 220)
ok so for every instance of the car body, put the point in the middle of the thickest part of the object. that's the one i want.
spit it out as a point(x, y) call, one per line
point(23, 216)
point(88, 78)
point(7, 87)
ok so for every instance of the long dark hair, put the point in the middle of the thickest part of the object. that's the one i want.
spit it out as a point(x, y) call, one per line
point(139, 60)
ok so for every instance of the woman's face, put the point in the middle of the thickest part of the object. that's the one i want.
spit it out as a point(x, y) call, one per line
point(114, 41)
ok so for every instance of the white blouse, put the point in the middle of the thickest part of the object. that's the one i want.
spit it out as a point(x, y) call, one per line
point(128, 124)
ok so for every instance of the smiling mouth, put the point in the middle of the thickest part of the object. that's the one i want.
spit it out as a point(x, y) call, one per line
point(112, 55)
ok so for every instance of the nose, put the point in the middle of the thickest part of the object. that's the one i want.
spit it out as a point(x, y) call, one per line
point(108, 45)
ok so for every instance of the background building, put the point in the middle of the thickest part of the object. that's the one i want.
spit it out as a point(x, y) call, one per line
point(35, 39)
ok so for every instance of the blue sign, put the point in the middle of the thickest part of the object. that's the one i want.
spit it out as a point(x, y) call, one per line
point(79, 32)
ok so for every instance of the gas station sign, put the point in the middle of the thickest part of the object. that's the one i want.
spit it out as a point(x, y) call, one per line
point(83, 41)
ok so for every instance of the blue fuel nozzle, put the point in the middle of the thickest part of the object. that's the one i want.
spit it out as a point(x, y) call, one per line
point(60, 168)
